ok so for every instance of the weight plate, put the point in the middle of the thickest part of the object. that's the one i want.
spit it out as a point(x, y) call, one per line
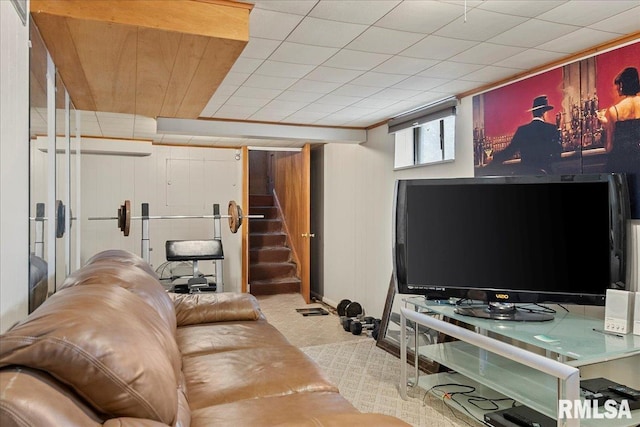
point(124, 217)
point(60, 219)
point(342, 305)
point(234, 216)
point(353, 309)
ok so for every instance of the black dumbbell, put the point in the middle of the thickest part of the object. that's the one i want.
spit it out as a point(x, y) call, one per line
point(353, 311)
point(368, 323)
point(342, 305)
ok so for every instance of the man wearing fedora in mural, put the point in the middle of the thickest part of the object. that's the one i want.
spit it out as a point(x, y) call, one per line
point(538, 142)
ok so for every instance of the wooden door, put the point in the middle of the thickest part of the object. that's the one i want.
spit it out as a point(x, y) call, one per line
point(292, 185)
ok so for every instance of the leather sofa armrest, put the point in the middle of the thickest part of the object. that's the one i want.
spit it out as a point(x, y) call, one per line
point(192, 309)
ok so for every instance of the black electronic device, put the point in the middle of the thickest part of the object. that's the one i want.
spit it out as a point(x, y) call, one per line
point(518, 416)
point(603, 389)
point(625, 391)
point(508, 240)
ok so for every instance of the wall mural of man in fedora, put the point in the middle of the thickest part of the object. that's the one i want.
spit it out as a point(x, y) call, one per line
point(537, 142)
point(574, 125)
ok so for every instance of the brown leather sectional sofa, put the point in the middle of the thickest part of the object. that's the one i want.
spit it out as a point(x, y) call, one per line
point(112, 348)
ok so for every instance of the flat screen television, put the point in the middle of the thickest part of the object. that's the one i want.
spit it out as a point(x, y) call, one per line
point(501, 241)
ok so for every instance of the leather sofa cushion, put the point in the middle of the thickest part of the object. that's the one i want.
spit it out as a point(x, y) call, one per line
point(251, 373)
point(270, 411)
point(215, 307)
point(107, 345)
point(224, 336)
point(117, 270)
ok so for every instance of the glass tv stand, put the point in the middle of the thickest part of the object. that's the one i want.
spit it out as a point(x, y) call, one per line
point(534, 363)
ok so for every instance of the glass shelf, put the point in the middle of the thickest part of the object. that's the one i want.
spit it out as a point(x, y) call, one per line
point(480, 355)
point(520, 382)
point(574, 336)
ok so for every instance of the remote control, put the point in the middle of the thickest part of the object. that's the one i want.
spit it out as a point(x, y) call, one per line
point(520, 420)
point(625, 391)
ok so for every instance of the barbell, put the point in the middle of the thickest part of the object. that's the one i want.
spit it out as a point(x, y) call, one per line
point(235, 216)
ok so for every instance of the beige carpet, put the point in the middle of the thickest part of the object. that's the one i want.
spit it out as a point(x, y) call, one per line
point(366, 375)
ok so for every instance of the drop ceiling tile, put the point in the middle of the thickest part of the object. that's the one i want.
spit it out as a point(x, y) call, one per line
point(428, 98)
point(269, 115)
point(403, 107)
point(529, 59)
point(314, 86)
point(357, 12)
point(532, 33)
point(286, 106)
point(355, 60)
point(283, 69)
point(234, 79)
point(395, 94)
point(420, 83)
point(298, 96)
point(620, 23)
point(333, 75)
point(354, 112)
point(375, 103)
point(480, 25)
point(383, 40)
point(339, 100)
point(258, 93)
point(271, 25)
point(404, 65)
point(422, 17)
point(320, 32)
point(529, 9)
point(305, 117)
point(246, 65)
point(268, 82)
point(585, 13)
point(298, 53)
point(455, 87)
point(487, 54)
point(434, 47)
point(258, 48)
point(218, 98)
point(356, 90)
point(298, 7)
point(325, 109)
point(490, 74)
point(241, 101)
point(578, 40)
point(332, 120)
point(449, 70)
point(223, 92)
point(380, 80)
point(235, 112)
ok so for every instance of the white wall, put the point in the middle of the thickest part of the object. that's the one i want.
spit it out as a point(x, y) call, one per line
point(14, 166)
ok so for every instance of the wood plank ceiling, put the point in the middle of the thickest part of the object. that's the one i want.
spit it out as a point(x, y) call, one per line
point(152, 58)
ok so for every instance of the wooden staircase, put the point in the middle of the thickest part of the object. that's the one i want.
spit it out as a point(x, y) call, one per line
point(271, 268)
